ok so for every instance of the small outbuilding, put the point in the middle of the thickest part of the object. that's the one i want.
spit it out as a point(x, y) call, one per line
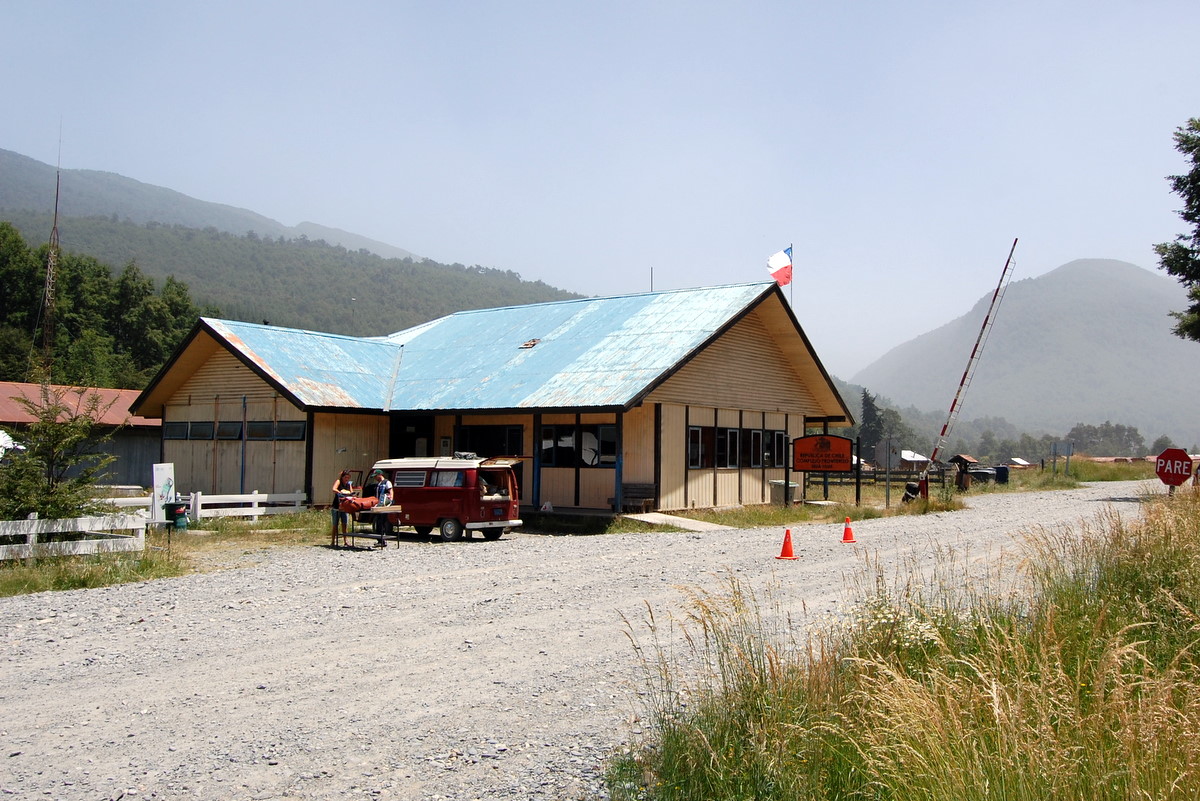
point(676, 399)
point(134, 440)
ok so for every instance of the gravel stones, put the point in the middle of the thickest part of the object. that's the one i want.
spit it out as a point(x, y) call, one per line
point(471, 670)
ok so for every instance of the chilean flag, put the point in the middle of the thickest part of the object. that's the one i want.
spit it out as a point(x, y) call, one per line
point(780, 266)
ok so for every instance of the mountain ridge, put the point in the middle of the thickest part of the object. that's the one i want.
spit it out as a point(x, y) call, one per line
point(1087, 342)
point(28, 185)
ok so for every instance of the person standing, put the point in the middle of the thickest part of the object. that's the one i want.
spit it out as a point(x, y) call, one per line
point(383, 491)
point(343, 488)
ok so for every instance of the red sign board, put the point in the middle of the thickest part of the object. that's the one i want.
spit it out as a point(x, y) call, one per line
point(821, 453)
point(1173, 466)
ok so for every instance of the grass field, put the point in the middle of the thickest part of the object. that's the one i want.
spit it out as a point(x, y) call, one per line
point(1085, 687)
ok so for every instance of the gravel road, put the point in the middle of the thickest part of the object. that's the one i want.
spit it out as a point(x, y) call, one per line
point(473, 670)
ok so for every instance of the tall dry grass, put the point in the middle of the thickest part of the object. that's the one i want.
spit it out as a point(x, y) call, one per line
point(1083, 685)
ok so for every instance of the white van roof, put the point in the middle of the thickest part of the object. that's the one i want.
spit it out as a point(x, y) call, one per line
point(444, 463)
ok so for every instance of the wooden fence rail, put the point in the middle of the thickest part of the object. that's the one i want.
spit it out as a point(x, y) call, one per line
point(104, 534)
point(252, 504)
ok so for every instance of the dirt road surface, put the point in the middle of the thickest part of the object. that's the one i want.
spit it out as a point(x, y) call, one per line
point(473, 670)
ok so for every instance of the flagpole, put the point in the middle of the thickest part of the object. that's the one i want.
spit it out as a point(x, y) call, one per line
point(792, 283)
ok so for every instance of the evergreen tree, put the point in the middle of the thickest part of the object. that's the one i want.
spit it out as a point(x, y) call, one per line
point(1181, 258)
point(870, 430)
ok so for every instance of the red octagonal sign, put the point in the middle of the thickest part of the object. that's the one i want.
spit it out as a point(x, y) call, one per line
point(1173, 466)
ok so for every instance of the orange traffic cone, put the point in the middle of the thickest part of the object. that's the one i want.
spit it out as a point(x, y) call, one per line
point(786, 553)
point(847, 534)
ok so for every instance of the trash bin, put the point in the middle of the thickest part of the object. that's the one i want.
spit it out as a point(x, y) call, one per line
point(779, 491)
point(1001, 474)
point(176, 514)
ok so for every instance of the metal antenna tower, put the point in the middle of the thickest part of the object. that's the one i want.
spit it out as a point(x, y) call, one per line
point(48, 291)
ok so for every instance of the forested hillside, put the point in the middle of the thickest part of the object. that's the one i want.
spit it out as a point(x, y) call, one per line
point(110, 331)
point(298, 283)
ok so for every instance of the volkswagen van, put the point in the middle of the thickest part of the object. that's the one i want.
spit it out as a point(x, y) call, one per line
point(452, 495)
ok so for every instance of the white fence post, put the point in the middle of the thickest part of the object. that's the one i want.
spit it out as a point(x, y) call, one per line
point(197, 505)
point(255, 506)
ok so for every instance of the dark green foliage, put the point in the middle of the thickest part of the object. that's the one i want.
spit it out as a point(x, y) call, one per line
point(1107, 439)
point(1161, 444)
point(107, 333)
point(1181, 258)
point(297, 283)
point(54, 474)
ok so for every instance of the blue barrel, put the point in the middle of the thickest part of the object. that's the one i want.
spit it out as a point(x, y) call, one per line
point(1001, 474)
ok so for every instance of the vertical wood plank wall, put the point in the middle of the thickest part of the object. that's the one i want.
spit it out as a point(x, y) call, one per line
point(672, 489)
point(345, 441)
point(216, 393)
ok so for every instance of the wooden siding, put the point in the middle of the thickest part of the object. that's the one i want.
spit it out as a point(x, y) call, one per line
point(637, 445)
point(222, 389)
point(558, 486)
point(596, 487)
point(673, 482)
point(224, 376)
point(349, 441)
point(744, 369)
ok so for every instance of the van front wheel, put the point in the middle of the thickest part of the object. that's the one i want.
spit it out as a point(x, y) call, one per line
point(450, 530)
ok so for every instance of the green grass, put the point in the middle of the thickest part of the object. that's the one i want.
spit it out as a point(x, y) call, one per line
point(18, 577)
point(1082, 686)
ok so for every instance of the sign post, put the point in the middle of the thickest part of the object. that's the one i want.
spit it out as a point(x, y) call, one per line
point(823, 453)
point(164, 491)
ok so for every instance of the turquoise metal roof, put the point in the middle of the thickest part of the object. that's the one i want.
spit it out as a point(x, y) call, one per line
point(591, 352)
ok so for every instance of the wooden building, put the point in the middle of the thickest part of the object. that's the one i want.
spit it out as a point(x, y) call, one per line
point(686, 398)
point(133, 441)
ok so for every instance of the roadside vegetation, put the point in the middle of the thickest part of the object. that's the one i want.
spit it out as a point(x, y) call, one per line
point(1083, 685)
point(196, 551)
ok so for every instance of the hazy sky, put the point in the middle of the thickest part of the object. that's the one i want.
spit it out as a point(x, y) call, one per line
point(900, 147)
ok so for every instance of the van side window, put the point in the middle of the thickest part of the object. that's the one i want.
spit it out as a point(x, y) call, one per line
point(409, 478)
point(446, 478)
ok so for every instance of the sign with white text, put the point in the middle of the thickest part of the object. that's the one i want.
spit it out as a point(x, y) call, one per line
point(822, 453)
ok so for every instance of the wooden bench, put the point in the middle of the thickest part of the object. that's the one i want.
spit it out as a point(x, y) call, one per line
point(635, 498)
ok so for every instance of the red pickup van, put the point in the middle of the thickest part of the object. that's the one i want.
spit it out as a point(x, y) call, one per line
point(452, 495)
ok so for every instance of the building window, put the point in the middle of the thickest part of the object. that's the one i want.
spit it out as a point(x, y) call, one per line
point(752, 438)
point(598, 446)
point(200, 429)
point(776, 449)
point(260, 430)
point(291, 429)
point(728, 447)
point(701, 446)
point(492, 440)
point(579, 446)
point(558, 446)
point(229, 429)
point(175, 430)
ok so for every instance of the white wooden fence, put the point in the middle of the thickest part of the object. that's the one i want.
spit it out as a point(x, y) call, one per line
point(105, 534)
point(253, 504)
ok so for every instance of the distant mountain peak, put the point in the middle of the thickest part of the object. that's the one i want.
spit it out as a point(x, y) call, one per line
point(1086, 342)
